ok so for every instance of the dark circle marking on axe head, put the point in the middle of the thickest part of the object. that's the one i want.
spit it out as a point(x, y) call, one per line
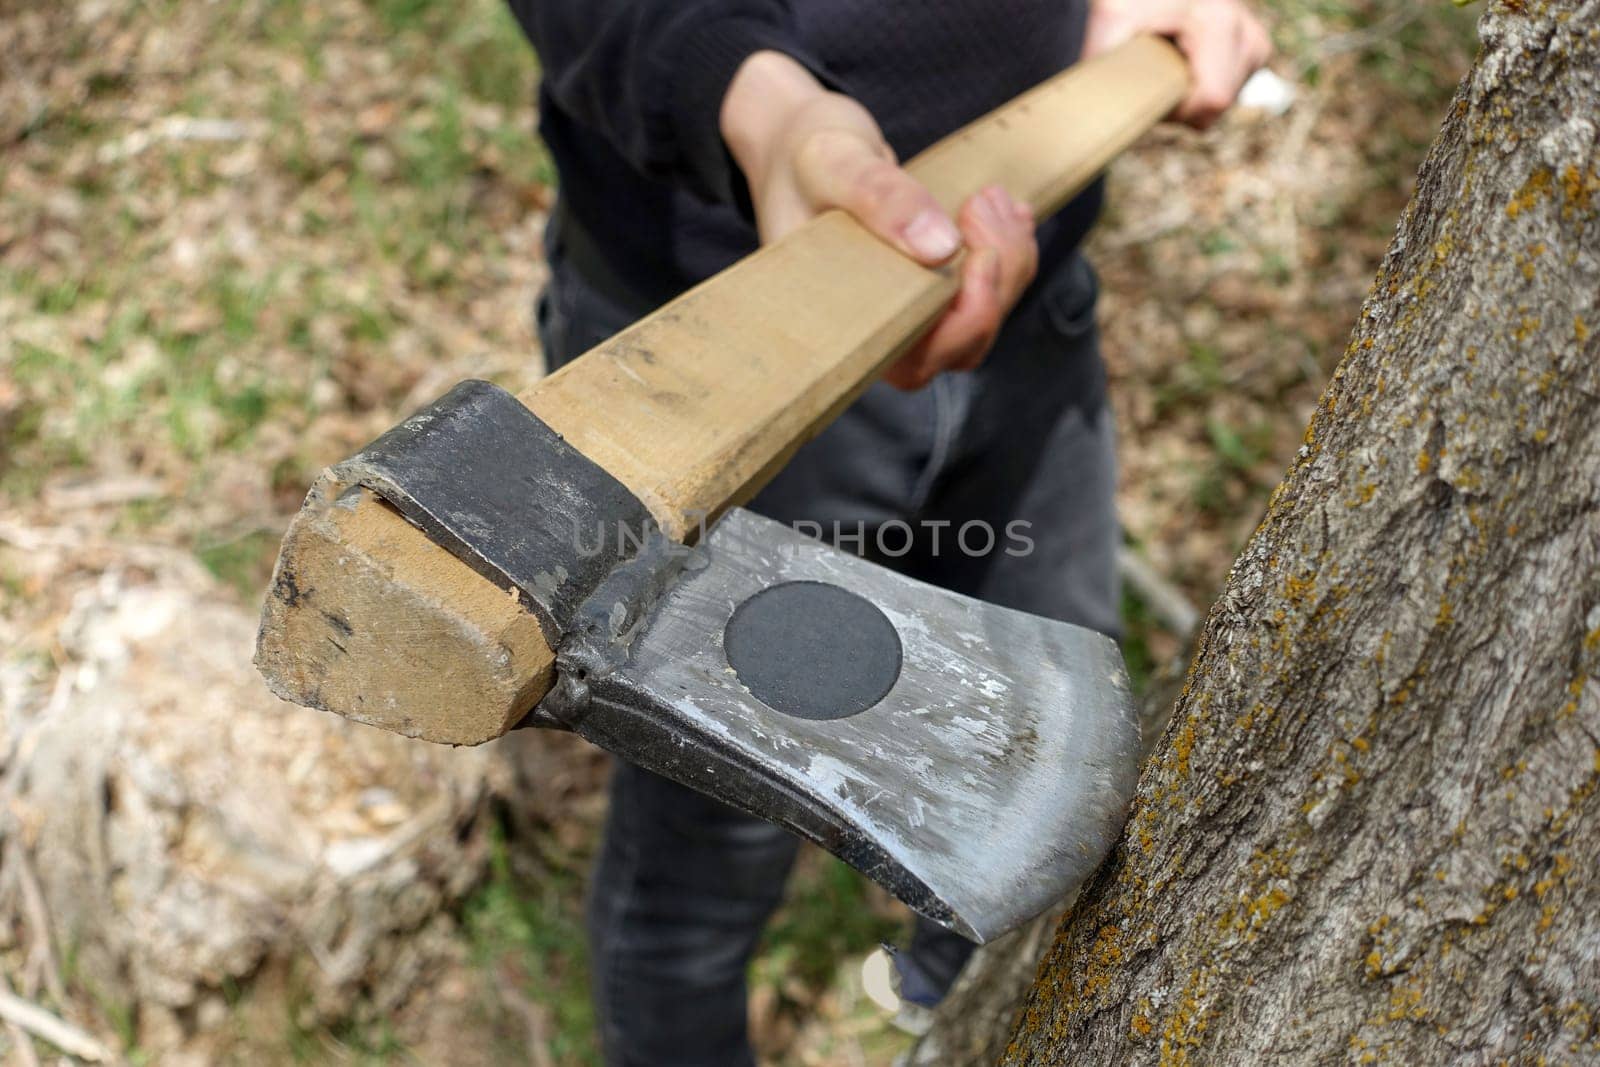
point(813, 650)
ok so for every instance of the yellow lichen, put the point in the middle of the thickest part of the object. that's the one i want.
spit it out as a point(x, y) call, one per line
point(1537, 186)
point(1364, 494)
point(1183, 747)
point(1580, 188)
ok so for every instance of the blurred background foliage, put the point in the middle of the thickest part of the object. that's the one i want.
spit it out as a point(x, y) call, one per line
point(238, 239)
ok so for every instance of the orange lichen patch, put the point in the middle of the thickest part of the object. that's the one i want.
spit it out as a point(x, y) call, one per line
point(1183, 747)
point(1406, 1003)
point(1579, 187)
point(1580, 329)
point(1257, 713)
point(1350, 776)
point(1525, 260)
point(1296, 589)
point(1264, 907)
point(1538, 186)
point(1186, 1026)
point(1104, 956)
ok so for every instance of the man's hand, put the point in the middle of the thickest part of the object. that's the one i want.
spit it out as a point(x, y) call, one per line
point(1222, 40)
point(804, 150)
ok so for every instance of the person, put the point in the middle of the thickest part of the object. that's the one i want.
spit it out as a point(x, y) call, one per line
point(685, 133)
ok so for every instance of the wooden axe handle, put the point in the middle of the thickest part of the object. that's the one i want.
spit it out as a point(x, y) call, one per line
point(693, 408)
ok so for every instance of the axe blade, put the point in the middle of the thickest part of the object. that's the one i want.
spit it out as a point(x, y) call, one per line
point(975, 761)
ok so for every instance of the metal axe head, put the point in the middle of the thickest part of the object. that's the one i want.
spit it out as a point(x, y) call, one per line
point(975, 761)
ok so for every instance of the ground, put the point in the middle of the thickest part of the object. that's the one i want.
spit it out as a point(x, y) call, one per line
point(239, 240)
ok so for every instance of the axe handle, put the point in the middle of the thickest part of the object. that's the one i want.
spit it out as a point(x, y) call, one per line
point(1047, 144)
point(693, 409)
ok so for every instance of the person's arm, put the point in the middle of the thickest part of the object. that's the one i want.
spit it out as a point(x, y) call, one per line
point(649, 75)
point(805, 149)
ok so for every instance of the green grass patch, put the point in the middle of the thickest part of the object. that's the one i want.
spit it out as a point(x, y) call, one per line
point(1195, 380)
point(243, 562)
point(533, 930)
point(1137, 626)
point(1241, 448)
point(484, 46)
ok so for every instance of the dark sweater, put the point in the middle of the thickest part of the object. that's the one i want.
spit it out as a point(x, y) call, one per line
point(632, 90)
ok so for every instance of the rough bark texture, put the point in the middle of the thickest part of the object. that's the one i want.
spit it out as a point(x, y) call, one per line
point(1369, 833)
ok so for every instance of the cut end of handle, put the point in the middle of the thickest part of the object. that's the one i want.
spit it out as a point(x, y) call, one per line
point(370, 620)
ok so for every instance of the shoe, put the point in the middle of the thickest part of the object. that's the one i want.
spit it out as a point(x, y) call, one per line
point(900, 990)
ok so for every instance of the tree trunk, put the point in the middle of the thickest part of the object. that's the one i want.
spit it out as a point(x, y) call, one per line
point(1369, 833)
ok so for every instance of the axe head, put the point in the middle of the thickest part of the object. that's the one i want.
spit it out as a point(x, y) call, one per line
point(975, 761)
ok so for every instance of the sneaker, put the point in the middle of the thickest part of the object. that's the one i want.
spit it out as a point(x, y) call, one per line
point(899, 989)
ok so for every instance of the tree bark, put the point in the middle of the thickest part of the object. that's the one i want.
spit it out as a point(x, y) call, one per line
point(1369, 833)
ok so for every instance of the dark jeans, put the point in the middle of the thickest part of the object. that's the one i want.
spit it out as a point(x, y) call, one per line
point(684, 884)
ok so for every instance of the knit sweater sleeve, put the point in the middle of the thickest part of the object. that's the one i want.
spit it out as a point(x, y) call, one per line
point(649, 76)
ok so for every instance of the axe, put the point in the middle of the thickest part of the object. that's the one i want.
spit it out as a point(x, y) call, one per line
point(571, 558)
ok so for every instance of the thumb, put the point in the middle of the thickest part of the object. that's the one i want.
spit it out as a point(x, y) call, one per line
point(882, 197)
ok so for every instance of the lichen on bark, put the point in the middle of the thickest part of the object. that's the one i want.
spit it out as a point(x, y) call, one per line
point(1369, 833)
